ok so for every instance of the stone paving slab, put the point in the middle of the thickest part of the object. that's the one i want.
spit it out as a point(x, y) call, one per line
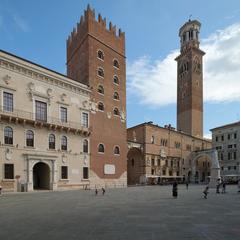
point(131, 213)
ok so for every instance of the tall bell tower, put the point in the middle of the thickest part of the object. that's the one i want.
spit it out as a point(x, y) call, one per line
point(190, 80)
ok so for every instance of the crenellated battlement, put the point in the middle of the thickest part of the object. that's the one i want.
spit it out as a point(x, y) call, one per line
point(86, 23)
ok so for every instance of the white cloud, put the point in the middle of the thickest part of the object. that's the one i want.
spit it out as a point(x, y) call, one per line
point(208, 135)
point(20, 23)
point(154, 82)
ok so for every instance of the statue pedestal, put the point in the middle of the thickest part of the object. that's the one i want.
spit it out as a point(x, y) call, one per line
point(215, 175)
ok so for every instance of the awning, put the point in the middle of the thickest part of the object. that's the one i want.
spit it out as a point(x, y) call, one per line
point(152, 176)
point(171, 176)
point(231, 175)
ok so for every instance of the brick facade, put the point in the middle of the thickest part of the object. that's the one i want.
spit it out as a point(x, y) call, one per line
point(83, 44)
point(164, 152)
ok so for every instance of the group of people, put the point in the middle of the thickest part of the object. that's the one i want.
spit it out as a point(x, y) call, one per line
point(103, 191)
point(221, 184)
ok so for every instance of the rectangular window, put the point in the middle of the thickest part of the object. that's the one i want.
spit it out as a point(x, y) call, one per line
point(188, 147)
point(164, 172)
point(152, 162)
point(222, 137)
point(235, 135)
point(177, 144)
point(41, 111)
point(158, 162)
point(7, 101)
point(64, 172)
point(235, 155)
point(85, 173)
point(85, 120)
point(63, 113)
point(8, 171)
point(216, 138)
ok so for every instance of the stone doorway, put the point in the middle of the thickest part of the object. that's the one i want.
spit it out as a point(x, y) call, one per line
point(41, 176)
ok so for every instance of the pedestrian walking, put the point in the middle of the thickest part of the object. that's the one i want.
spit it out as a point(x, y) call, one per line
point(218, 185)
point(239, 185)
point(205, 192)
point(217, 188)
point(103, 190)
point(175, 189)
point(187, 185)
point(223, 187)
point(96, 192)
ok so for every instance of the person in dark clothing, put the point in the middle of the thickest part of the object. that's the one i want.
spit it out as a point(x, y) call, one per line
point(103, 190)
point(96, 192)
point(175, 189)
point(224, 187)
point(187, 185)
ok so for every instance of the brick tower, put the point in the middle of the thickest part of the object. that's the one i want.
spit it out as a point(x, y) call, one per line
point(190, 81)
point(96, 57)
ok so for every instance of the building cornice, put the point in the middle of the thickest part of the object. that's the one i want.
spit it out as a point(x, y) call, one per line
point(37, 72)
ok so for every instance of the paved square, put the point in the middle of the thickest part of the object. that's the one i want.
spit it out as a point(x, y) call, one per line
point(133, 213)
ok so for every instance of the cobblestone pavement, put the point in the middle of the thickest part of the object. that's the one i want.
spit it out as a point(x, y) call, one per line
point(133, 213)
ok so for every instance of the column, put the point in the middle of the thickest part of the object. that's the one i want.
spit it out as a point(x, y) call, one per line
point(29, 176)
point(215, 169)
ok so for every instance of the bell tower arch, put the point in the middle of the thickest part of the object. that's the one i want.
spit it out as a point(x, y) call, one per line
point(190, 80)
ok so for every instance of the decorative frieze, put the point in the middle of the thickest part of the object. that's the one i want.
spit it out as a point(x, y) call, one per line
point(35, 75)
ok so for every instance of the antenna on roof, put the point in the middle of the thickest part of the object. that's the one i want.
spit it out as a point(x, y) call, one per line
point(190, 17)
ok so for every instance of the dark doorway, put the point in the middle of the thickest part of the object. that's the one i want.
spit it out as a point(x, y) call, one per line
point(41, 176)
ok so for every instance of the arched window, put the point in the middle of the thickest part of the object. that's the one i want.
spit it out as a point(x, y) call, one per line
point(8, 135)
point(101, 148)
point(115, 63)
point(100, 54)
point(29, 138)
point(64, 143)
point(100, 106)
point(100, 89)
point(115, 80)
point(85, 146)
point(132, 162)
point(51, 141)
point(116, 112)
point(116, 150)
point(100, 72)
point(115, 96)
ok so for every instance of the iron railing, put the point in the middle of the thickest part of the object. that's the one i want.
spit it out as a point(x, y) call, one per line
point(29, 116)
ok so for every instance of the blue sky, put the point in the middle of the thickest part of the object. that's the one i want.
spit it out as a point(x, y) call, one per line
point(37, 30)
